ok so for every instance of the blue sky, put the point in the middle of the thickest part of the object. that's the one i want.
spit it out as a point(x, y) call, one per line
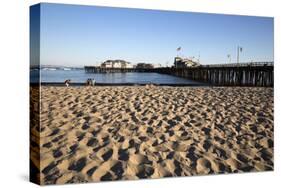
point(87, 35)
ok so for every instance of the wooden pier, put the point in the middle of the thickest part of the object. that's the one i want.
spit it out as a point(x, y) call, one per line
point(235, 75)
point(96, 69)
point(244, 74)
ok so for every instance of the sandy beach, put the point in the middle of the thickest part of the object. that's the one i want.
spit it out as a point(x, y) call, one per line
point(112, 133)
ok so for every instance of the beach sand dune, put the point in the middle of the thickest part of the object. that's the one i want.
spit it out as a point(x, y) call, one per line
point(112, 133)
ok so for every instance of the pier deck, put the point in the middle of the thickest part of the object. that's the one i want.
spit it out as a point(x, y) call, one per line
point(97, 69)
point(246, 74)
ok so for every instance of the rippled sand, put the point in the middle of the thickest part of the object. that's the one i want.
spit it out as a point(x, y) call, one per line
point(112, 133)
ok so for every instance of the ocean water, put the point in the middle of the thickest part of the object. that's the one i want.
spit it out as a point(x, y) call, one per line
point(80, 76)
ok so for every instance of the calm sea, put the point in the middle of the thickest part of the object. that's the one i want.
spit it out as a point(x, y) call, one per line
point(79, 76)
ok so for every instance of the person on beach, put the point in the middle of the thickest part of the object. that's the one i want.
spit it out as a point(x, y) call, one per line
point(90, 82)
point(67, 82)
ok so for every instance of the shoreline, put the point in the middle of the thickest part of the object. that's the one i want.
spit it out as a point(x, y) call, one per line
point(75, 84)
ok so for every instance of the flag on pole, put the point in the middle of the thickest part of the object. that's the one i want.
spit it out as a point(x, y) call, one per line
point(179, 48)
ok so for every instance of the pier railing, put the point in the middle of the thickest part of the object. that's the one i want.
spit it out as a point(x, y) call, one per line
point(246, 64)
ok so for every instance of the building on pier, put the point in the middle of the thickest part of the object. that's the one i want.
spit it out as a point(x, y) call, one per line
point(116, 64)
point(185, 62)
point(144, 66)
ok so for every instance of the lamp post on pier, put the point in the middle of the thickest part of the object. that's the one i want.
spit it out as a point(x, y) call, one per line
point(229, 57)
point(239, 49)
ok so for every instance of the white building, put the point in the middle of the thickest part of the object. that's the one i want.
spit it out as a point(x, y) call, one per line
point(128, 65)
point(106, 64)
point(116, 64)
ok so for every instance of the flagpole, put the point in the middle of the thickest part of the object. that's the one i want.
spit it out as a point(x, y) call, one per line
point(238, 55)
